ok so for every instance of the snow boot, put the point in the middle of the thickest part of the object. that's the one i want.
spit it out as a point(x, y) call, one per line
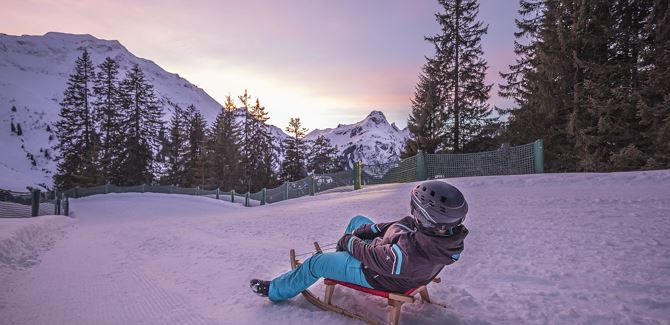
point(260, 287)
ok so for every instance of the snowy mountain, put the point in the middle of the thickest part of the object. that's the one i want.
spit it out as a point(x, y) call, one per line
point(372, 141)
point(33, 75)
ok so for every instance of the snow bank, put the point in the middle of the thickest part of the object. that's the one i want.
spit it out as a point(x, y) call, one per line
point(543, 249)
point(22, 240)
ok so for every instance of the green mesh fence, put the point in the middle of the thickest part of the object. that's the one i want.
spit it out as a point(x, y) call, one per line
point(275, 194)
point(524, 159)
point(15, 204)
point(504, 161)
point(324, 182)
point(27, 204)
point(298, 188)
point(397, 172)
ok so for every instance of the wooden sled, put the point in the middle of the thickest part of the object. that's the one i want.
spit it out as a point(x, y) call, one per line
point(395, 300)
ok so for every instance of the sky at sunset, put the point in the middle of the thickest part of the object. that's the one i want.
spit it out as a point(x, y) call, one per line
point(327, 62)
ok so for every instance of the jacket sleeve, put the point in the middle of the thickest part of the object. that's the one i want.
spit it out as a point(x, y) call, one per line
point(371, 231)
point(387, 260)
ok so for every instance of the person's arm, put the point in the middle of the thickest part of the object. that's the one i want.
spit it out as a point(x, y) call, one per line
point(382, 259)
point(371, 231)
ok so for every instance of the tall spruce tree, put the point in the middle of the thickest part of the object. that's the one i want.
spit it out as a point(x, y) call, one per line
point(258, 158)
point(653, 105)
point(108, 115)
point(177, 149)
point(141, 114)
point(225, 148)
point(76, 129)
point(196, 156)
point(295, 151)
point(426, 122)
point(322, 157)
point(459, 69)
point(584, 81)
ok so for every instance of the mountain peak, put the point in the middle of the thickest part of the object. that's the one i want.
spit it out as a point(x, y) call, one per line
point(376, 117)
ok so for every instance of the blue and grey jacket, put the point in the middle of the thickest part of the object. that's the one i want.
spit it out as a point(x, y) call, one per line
point(397, 256)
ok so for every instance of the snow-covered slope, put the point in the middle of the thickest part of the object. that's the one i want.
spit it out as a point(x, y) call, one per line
point(372, 140)
point(33, 75)
point(542, 249)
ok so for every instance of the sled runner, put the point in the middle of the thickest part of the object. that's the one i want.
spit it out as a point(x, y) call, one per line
point(395, 300)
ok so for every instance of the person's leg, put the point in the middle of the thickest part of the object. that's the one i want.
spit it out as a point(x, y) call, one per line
point(356, 222)
point(337, 266)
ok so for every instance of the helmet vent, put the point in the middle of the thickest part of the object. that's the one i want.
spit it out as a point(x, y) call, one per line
point(423, 189)
point(432, 193)
point(443, 199)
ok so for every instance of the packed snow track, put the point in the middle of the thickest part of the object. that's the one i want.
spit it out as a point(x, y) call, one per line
point(542, 249)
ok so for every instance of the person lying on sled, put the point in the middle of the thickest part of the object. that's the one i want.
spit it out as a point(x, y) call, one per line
point(395, 256)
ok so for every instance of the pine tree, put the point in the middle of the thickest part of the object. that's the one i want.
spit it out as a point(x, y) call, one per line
point(295, 150)
point(196, 156)
point(19, 132)
point(142, 117)
point(258, 158)
point(13, 128)
point(76, 129)
point(177, 149)
point(322, 157)
point(653, 105)
point(426, 122)
point(225, 154)
point(107, 110)
point(459, 69)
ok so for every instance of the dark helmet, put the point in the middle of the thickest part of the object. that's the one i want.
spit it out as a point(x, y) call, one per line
point(437, 207)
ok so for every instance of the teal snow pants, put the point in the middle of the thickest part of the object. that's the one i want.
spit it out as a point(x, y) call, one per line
point(337, 266)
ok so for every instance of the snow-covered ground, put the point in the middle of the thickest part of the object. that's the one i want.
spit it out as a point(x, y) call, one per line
point(543, 249)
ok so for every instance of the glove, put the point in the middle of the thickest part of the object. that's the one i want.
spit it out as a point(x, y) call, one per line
point(342, 243)
point(361, 231)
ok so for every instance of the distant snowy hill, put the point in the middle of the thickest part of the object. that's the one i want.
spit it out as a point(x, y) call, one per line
point(33, 75)
point(372, 140)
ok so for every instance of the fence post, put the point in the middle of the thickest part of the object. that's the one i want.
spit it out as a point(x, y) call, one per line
point(143, 188)
point(76, 192)
point(421, 168)
point(66, 207)
point(357, 175)
point(35, 203)
point(57, 205)
point(286, 190)
point(107, 188)
point(246, 199)
point(217, 193)
point(263, 198)
point(232, 196)
point(538, 156)
point(197, 190)
point(56, 202)
point(310, 184)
